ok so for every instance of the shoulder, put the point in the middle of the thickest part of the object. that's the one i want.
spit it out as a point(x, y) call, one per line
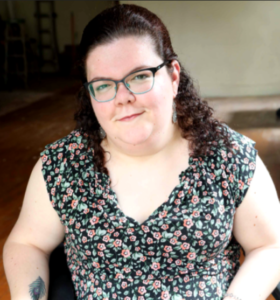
point(75, 140)
point(65, 164)
point(242, 152)
point(241, 144)
point(68, 148)
point(235, 165)
point(239, 162)
point(257, 219)
point(64, 155)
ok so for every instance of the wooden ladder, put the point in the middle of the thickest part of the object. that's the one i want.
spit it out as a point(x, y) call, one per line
point(15, 52)
point(51, 46)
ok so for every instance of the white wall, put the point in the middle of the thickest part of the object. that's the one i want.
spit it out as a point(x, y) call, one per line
point(231, 48)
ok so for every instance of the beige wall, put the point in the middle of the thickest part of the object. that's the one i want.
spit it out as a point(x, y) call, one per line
point(231, 48)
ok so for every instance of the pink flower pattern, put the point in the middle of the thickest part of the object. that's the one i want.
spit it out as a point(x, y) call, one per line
point(184, 250)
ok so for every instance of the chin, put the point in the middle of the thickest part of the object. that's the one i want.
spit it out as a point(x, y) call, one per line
point(135, 139)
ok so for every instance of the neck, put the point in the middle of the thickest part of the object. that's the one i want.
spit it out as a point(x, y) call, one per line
point(142, 155)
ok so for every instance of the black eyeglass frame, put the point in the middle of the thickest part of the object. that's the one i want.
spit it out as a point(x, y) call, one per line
point(153, 70)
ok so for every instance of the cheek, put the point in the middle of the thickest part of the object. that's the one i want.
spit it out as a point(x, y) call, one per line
point(162, 101)
point(160, 111)
point(164, 92)
point(99, 111)
point(93, 105)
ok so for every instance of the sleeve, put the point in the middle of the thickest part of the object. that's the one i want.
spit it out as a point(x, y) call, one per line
point(63, 165)
point(53, 168)
point(242, 165)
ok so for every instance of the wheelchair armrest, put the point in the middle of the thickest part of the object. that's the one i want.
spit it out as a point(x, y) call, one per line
point(61, 285)
point(276, 292)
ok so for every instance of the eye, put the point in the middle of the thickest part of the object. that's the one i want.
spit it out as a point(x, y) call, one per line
point(102, 87)
point(140, 77)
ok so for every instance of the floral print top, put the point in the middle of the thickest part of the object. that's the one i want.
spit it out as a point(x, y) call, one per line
point(184, 250)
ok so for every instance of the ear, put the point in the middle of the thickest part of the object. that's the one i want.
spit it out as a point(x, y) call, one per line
point(175, 77)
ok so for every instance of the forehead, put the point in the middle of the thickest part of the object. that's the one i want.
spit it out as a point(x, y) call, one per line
point(117, 58)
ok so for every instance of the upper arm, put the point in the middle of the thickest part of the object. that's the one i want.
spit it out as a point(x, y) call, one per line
point(257, 219)
point(38, 224)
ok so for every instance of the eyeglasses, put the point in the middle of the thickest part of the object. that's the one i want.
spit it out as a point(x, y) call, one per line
point(139, 82)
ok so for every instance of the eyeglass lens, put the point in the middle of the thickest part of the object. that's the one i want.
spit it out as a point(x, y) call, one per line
point(138, 83)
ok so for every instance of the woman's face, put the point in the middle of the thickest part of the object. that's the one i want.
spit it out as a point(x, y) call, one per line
point(114, 61)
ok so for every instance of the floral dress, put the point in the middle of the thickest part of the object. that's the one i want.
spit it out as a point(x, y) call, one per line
point(184, 250)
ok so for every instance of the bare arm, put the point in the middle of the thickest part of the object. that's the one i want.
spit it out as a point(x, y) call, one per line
point(36, 233)
point(257, 229)
point(26, 271)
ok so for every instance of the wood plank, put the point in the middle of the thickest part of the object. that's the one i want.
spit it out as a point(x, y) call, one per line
point(24, 133)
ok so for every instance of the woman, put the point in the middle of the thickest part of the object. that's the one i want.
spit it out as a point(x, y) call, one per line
point(147, 190)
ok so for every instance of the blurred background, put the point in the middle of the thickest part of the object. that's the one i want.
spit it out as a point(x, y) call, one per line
point(230, 48)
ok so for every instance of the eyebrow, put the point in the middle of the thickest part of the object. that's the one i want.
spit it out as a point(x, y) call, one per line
point(133, 70)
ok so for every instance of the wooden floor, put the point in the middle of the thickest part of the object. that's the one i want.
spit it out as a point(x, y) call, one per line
point(26, 131)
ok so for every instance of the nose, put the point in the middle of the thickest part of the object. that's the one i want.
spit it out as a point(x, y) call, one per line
point(123, 94)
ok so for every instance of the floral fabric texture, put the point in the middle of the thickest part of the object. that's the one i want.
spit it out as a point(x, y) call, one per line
point(184, 250)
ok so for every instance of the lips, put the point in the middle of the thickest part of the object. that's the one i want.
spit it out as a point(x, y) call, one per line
point(130, 116)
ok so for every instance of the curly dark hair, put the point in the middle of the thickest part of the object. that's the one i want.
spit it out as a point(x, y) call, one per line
point(194, 115)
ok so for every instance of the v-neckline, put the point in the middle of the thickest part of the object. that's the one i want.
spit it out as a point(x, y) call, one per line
point(180, 176)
